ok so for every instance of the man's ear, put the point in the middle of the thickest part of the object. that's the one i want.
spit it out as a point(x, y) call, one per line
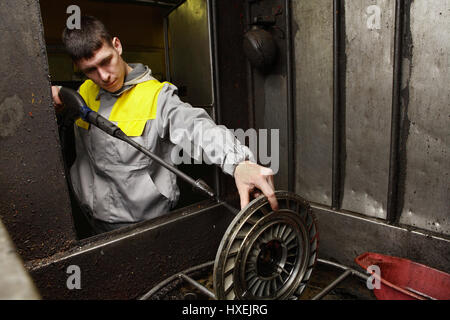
point(117, 45)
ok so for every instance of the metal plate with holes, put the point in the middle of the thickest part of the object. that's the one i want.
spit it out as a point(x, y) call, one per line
point(266, 254)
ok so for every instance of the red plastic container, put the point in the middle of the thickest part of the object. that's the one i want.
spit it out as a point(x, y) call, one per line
point(402, 279)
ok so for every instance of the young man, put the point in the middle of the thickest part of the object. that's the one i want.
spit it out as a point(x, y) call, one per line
point(118, 184)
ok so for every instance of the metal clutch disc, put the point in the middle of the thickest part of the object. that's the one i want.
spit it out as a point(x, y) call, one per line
point(266, 254)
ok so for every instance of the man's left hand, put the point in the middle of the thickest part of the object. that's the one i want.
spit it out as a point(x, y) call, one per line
point(253, 178)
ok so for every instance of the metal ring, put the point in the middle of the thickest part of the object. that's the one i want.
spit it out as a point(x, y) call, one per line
point(265, 254)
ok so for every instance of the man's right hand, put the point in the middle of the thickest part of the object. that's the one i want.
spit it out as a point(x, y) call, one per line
point(57, 103)
point(251, 177)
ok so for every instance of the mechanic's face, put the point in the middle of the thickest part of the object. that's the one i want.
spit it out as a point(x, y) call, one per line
point(106, 68)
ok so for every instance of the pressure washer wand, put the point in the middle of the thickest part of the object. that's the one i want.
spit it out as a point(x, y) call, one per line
point(76, 103)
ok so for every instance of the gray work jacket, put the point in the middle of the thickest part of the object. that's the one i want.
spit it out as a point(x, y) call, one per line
point(120, 184)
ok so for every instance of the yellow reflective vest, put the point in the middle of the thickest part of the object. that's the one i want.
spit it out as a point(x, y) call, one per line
point(118, 183)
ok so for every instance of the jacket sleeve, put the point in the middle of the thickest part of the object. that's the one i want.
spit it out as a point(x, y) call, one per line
point(193, 130)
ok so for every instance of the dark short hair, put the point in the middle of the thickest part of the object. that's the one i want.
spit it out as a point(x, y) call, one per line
point(82, 43)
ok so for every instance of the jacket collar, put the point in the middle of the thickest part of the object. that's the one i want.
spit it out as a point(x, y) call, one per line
point(140, 73)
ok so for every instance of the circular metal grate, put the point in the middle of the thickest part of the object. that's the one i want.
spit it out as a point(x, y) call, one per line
point(266, 254)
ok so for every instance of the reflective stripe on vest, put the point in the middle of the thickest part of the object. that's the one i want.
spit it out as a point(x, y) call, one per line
point(132, 109)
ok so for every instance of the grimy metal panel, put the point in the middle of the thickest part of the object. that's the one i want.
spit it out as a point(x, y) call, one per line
point(34, 200)
point(275, 120)
point(343, 237)
point(369, 75)
point(127, 263)
point(313, 39)
point(230, 71)
point(190, 52)
point(270, 89)
point(427, 193)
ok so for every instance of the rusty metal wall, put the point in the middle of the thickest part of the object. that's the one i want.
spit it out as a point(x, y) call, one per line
point(427, 101)
point(190, 54)
point(313, 46)
point(34, 201)
point(368, 96)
